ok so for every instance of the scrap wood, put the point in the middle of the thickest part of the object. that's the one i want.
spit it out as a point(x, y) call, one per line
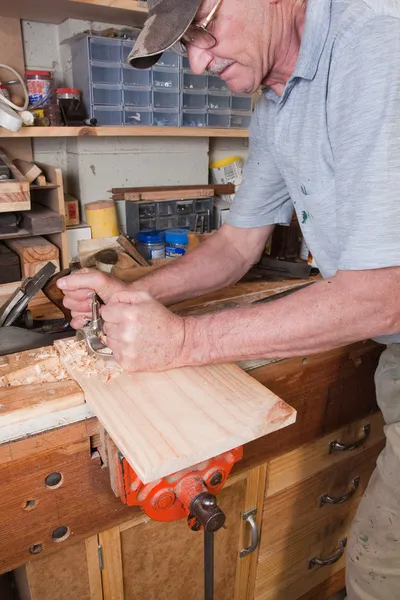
point(174, 192)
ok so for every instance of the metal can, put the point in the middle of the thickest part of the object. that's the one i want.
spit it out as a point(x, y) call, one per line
point(68, 94)
point(151, 244)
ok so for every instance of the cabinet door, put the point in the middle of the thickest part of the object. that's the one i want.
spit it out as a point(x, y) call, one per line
point(159, 561)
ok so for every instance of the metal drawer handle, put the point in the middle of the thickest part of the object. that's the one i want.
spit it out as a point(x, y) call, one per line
point(249, 517)
point(327, 499)
point(329, 561)
point(338, 447)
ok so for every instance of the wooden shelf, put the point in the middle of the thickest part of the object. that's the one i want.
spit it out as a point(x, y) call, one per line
point(118, 12)
point(72, 132)
point(121, 4)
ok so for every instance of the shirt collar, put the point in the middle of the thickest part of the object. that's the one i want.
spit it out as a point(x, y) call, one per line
point(316, 28)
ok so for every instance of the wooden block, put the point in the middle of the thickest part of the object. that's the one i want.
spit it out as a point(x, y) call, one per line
point(10, 269)
point(41, 180)
point(34, 253)
point(165, 422)
point(42, 221)
point(131, 250)
point(28, 169)
point(71, 210)
point(8, 223)
point(14, 194)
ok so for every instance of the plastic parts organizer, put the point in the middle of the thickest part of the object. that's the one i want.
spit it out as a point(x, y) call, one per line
point(167, 95)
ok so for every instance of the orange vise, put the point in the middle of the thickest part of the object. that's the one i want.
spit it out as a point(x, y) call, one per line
point(189, 493)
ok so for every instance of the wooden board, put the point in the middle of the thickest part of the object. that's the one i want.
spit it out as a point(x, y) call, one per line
point(165, 422)
point(54, 199)
point(34, 253)
point(14, 194)
point(41, 220)
point(172, 192)
point(33, 384)
point(123, 131)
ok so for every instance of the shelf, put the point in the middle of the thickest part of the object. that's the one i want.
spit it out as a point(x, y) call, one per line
point(119, 12)
point(121, 4)
point(73, 132)
point(49, 186)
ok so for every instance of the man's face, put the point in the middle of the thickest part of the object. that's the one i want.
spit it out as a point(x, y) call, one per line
point(237, 56)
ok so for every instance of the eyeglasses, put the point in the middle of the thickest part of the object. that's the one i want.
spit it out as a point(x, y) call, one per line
point(197, 35)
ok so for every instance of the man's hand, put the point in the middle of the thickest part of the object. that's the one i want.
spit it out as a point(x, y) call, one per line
point(78, 289)
point(142, 333)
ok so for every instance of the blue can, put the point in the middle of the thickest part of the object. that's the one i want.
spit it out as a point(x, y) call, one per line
point(151, 243)
point(176, 242)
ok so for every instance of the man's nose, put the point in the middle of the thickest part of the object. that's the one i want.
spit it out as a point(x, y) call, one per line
point(199, 59)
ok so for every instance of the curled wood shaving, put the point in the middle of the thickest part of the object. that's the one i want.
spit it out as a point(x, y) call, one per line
point(76, 357)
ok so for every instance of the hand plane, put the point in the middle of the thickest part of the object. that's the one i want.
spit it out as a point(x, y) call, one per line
point(18, 330)
point(93, 332)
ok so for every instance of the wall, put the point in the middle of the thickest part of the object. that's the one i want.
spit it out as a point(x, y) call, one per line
point(91, 167)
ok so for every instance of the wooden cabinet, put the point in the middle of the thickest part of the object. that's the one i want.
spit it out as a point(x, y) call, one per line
point(283, 475)
point(311, 499)
point(149, 560)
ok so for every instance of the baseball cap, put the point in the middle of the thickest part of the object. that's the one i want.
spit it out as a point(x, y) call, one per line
point(168, 20)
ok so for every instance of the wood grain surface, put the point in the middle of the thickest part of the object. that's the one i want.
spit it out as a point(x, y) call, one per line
point(165, 422)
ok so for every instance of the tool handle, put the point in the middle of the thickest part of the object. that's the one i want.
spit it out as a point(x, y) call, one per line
point(55, 295)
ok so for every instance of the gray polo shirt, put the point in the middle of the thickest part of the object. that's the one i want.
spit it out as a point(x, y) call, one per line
point(329, 147)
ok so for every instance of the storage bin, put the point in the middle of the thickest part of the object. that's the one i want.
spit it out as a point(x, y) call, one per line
point(240, 120)
point(165, 209)
point(219, 119)
point(193, 82)
point(194, 99)
point(165, 98)
point(126, 49)
point(138, 116)
point(185, 63)
point(185, 222)
point(218, 100)
point(105, 49)
point(194, 118)
point(136, 96)
point(108, 115)
point(241, 102)
point(165, 78)
point(106, 94)
point(169, 59)
point(131, 76)
point(103, 72)
point(166, 117)
point(215, 84)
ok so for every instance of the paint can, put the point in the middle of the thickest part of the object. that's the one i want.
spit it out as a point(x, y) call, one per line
point(227, 170)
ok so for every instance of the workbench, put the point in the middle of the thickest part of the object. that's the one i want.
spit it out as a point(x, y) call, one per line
point(66, 536)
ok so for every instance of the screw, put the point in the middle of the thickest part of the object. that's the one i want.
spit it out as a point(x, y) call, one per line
point(216, 479)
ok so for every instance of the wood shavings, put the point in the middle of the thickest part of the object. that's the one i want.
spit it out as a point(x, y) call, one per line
point(47, 370)
point(75, 354)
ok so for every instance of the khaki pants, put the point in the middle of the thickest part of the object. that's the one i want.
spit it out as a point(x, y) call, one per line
point(373, 554)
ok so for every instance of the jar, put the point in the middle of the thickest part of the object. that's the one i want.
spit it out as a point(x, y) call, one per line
point(150, 244)
point(4, 91)
point(68, 94)
point(39, 85)
point(52, 112)
point(176, 242)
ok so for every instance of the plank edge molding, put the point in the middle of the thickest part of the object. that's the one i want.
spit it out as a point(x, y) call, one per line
point(168, 421)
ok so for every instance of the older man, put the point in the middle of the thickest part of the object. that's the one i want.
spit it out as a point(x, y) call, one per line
point(324, 141)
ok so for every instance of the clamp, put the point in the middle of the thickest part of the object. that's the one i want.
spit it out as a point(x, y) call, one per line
point(190, 493)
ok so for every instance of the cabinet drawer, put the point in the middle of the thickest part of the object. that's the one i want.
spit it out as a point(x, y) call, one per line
point(284, 566)
point(303, 462)
point(334, 491)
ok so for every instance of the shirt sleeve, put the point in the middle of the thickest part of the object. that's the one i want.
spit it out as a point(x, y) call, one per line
point(364, 128)
point(262, 198)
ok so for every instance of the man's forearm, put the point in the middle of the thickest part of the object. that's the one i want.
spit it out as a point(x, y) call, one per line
point(214, 264)
point(326, 315)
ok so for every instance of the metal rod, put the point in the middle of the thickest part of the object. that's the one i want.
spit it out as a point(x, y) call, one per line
point(208, 565)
